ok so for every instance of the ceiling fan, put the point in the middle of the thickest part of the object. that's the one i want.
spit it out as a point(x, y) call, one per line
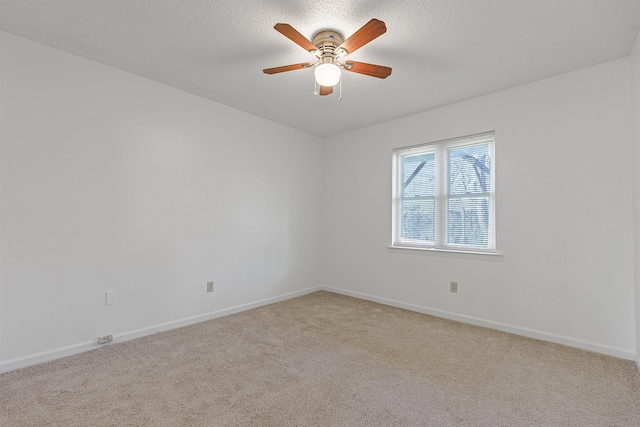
point(329, 46)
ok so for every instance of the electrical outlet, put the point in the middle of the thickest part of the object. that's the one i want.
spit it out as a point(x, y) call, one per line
point(110, 297)
point(454, 287)
point(209, 286)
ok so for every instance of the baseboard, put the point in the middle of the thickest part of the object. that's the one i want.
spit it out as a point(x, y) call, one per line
point(531, 333)
point(70, 350)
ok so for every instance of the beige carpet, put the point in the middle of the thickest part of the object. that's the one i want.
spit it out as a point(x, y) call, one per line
point(326, 360)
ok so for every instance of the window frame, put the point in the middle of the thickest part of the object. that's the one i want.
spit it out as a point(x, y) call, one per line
point(442, 197)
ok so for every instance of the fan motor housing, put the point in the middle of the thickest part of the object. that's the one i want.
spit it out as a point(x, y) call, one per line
point(327, 38)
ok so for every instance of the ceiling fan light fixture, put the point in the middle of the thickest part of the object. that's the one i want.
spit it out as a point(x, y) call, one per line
point(328, 46)
point(327, 74)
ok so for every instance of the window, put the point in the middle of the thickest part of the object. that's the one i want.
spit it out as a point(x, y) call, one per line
point(444, 195)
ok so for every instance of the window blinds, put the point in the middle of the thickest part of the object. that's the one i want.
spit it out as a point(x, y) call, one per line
point(444, 196)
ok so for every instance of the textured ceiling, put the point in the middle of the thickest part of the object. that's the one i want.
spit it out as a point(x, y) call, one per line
point(441, 51)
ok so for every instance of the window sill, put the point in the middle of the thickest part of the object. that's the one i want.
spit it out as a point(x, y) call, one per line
point(494, 256)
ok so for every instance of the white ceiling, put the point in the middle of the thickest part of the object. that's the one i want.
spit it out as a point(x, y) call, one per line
point(441, 51)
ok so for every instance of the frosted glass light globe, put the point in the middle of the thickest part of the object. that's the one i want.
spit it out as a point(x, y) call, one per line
point(327, 74)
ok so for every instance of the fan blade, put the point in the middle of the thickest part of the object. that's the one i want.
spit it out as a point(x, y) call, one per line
point(369, 31)
point(369, 69)
point(326, 90)
point(286, 68)
point(292, 34)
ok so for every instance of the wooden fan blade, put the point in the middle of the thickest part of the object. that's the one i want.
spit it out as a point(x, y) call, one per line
point(369, 31)
point(292, 34)
point(286, 68)
point(372, 70)
point(326, 90)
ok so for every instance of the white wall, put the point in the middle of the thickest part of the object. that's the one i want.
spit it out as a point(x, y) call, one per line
point(635, 93)
point(114, 182)
point(564, 213)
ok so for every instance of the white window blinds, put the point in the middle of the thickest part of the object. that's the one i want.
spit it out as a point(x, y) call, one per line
point(444, 196)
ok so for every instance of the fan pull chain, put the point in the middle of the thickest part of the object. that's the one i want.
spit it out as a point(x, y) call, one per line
point(340, 99)
point(315, 87)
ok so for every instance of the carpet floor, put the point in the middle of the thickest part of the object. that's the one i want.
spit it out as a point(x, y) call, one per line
point(326, 360)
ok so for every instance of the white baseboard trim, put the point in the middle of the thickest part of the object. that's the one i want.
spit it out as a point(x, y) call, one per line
point(70, 350)
point(531, 333)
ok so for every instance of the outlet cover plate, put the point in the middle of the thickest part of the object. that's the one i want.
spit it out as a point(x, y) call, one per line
point(454, 287)
point(209, 286)
point(109, 297)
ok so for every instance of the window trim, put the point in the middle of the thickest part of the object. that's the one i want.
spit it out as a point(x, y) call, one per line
point(440, 246)
point(412, 250)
